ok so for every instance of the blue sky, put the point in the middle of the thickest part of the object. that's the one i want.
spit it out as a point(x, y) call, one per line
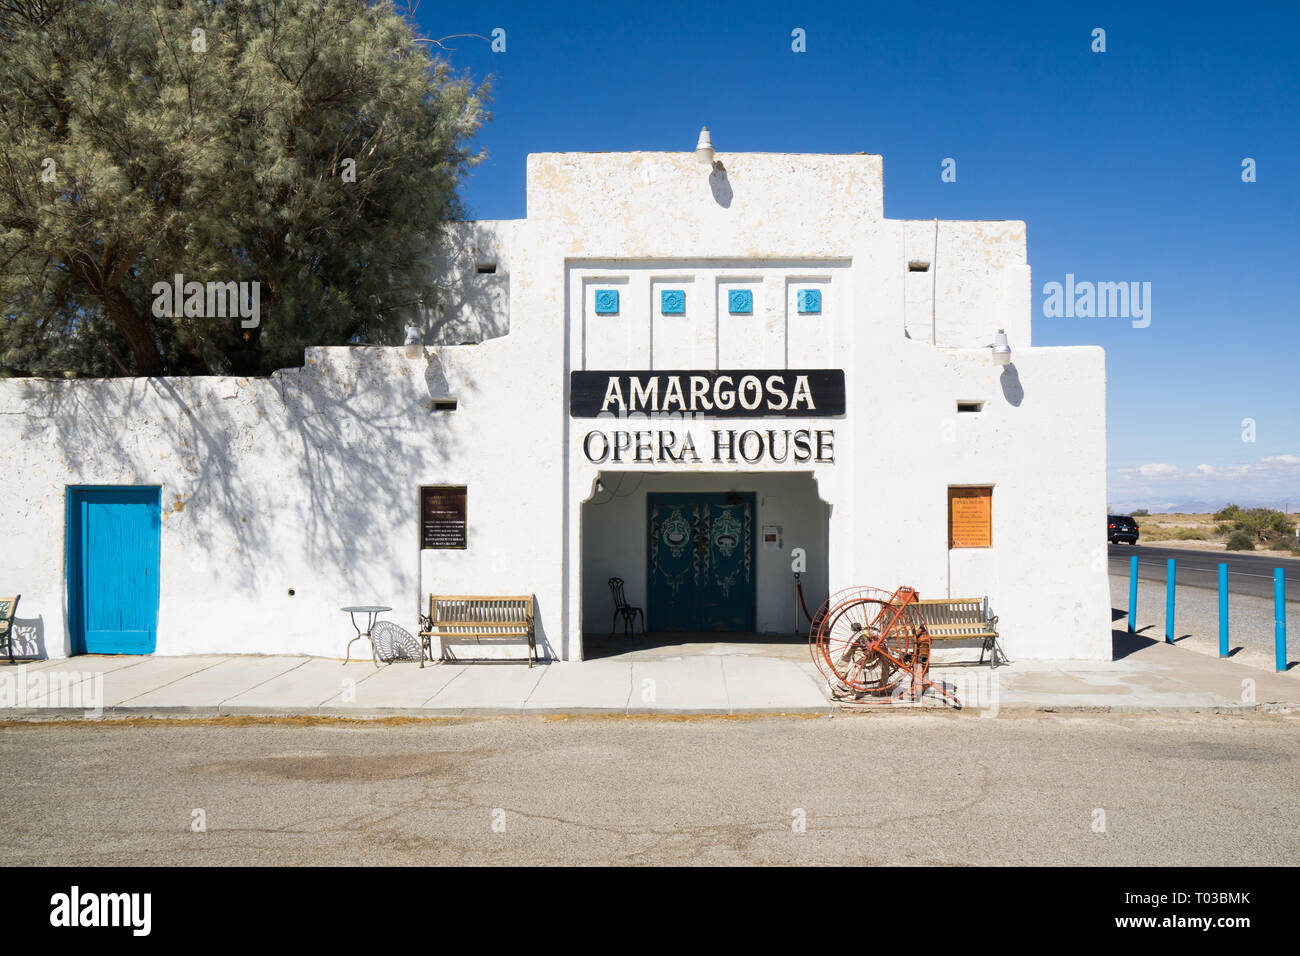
point(1126, 165)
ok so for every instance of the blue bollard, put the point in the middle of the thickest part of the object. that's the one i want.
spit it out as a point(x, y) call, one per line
point(1132, 593)
point(1169, 602)
point(1279, 617)
point(1223, 610)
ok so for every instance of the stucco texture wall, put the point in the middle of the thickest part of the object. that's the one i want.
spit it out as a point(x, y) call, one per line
point(912, 345)
point(307, 481)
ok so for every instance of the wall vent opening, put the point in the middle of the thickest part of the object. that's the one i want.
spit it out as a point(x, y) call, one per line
point(444, 404)
point(970, 406)
point(916, 265)
point(486, 268)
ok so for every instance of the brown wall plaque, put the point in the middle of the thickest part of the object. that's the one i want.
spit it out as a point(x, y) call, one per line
point(442, 517)
point(970, 517)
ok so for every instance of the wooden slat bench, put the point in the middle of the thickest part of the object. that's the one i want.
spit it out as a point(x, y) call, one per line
point(959, 619)
point(478, 618)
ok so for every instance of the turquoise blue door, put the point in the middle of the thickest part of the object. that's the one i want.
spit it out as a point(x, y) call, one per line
point(113, 548)
point(700, 562)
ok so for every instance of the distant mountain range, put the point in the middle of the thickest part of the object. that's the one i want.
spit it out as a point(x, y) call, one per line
point(1181, 504)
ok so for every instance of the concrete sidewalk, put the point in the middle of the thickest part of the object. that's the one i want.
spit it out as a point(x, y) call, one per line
point(1147, 676)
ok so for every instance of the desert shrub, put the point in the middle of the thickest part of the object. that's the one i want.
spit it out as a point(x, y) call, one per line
point(1140, 513)
point(1225, 528)
point(1262, 523)
point(1241, 541)
point(1281, 544)
point(1273, 521)
point(1190, 534)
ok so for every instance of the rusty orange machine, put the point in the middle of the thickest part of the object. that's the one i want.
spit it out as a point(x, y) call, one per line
point(872, 645)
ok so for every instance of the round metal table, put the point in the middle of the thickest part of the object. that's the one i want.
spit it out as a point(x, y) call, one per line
point(374, 610)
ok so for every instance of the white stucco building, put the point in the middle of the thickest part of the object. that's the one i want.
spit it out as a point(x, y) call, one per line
point(839, 389)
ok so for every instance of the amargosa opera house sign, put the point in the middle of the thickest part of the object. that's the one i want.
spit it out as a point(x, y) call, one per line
point(725, 393)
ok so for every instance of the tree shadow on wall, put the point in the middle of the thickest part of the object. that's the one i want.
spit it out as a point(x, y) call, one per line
point(316, 465)
point(472, 306)
point(471, 311)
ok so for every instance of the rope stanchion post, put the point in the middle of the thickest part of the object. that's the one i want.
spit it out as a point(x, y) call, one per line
point(796, 603)
point(798, 590)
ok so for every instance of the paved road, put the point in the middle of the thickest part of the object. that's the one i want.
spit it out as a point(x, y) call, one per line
point(874, 789)
point(1248, 572)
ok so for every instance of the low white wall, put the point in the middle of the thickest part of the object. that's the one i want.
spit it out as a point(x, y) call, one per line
point(307, 481)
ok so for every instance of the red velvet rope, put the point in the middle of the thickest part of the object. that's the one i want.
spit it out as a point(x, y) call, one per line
point(799, 588)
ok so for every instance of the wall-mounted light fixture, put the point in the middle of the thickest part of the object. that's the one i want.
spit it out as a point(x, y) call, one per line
point(1001, 349)
point(704, 148)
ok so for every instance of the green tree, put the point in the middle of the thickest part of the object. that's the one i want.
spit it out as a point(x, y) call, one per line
point(312, 146)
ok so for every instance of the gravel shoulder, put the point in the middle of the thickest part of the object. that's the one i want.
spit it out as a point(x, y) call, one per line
point(1196, 620)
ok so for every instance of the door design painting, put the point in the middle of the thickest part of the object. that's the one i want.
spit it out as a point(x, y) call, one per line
point(700, 562)
point(113, 552)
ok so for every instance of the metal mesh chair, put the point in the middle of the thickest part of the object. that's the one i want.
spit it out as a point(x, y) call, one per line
point(393, 643)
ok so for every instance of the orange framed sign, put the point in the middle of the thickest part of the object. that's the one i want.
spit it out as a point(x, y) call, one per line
point(970, 517)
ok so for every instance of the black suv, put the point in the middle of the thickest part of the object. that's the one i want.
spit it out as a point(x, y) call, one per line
point(1121, 528)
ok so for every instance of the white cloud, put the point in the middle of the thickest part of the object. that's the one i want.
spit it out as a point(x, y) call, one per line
point(1157, 471)
point(1270, 479)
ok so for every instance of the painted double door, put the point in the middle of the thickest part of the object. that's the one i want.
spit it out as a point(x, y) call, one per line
point(701, 573)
